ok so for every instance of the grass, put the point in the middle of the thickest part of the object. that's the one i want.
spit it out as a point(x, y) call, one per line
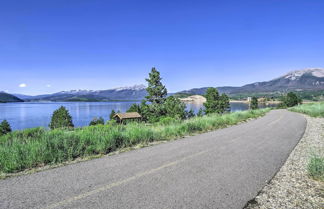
point(316, 163)
point(312, 109)
point(316, 168)
point(31, 148)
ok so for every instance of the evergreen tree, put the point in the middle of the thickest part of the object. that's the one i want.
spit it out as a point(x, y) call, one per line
point(224, 104)
point(212, 101)
point(97, 121)
point(61, 119)
point(216, 103)
point(156, 90)
point(173, 107)
point(112, 114)
point(4, 127)
point(254, 103)
point(190, 113)
point(134, 108)
point(145, 111)
point(290, 100)
point(200, 113)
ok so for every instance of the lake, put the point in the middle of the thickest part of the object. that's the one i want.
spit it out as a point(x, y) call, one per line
point(30, 115)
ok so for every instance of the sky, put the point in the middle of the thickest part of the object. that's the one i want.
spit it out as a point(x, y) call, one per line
point(55, 45)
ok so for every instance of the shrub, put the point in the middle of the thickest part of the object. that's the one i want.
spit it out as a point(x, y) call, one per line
point(290, 100)
point(135, 108)
point(61, 118)
point(97, 121)
point(4, 127)
point(316, 168)
point(190, 114)
point(254, 103)
point(173, 107)
point(200, 113)
point(112, 114)
point(216, 103)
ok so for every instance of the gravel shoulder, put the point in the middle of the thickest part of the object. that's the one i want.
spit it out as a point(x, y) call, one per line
point(292, 187)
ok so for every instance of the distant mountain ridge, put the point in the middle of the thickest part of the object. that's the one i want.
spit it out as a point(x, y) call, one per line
point(136, 92)
point(5, 97)
point(300, 80)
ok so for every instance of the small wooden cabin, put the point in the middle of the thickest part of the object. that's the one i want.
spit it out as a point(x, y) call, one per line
point(128, 116)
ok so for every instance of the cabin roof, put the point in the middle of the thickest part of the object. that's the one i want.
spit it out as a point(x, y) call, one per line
point(128, 115)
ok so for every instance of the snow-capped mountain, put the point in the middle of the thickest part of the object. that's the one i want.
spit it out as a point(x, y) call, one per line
point(307, 79)
point(300, 80)
point(295, 75)
point(132, 88)
point(136, 92)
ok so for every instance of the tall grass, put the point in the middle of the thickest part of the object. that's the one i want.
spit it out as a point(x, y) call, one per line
point(312, 109)
point(316, 168)
point(36, 147)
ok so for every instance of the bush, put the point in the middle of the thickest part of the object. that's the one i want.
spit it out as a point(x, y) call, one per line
point(254, 103)
point(97, 121)
point(4, 127)
point(190, 114)
point(216, 103)
point(200, 113)
point(316, 168)
point(290, 100)
point(61, 118)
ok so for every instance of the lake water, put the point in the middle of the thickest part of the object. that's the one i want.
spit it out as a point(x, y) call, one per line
point(29, 115)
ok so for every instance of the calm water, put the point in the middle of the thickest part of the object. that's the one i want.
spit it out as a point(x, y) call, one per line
point(29, 115)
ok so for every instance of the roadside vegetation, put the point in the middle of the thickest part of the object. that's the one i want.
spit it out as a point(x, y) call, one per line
point(289, 100)
point(36, 147)
point(316, 167)
point(311, 109)
point(163, 118)
point(316, 162)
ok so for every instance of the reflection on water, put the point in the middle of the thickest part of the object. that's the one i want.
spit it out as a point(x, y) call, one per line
point(29, 115)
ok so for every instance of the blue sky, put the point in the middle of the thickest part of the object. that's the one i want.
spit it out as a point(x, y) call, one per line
point(56, 45)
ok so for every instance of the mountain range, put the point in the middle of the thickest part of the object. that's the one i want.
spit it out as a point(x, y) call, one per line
point(5, 97)
point(307, 81)
point(137, 92)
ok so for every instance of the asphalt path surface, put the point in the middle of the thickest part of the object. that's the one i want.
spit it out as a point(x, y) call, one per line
point(220, 169)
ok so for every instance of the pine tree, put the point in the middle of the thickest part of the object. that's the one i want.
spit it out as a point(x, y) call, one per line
point(173, 107)
point(135, 108)
point(97, 121)
point(4, 127)
point(200, 113)
point(292, 99)
point(156, 90)
point(190, 114)
point(112, 114)
point(61, 118)
point(212, 101)
point(224, 104)
point(215, 103)
point(254, 103)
